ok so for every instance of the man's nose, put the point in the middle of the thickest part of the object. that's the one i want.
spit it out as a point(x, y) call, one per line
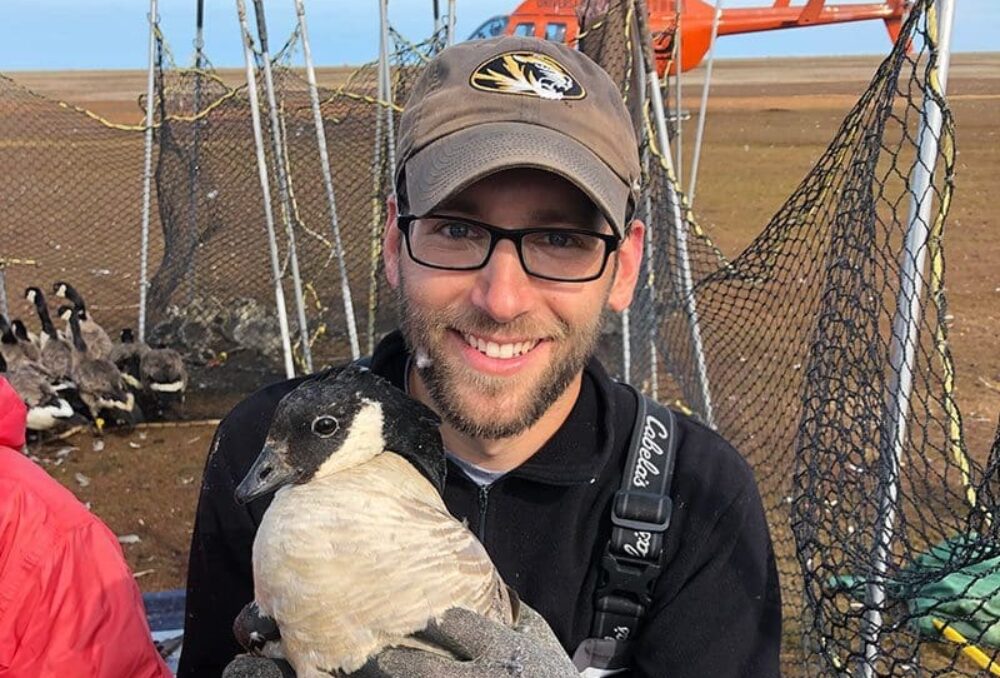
point(503, 288)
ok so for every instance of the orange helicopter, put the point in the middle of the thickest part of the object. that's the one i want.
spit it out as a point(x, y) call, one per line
point(557, 20)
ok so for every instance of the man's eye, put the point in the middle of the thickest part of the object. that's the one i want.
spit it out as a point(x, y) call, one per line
point(456, 230)
point(561, 240)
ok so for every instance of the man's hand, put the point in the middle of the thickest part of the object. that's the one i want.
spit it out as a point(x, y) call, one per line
point(254, 631)
point(248, 666)
point(485, 649)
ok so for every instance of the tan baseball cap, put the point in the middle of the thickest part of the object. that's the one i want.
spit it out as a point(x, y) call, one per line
point(484, 106)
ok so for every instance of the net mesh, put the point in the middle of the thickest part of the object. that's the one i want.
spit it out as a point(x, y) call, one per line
point(788, 348)
point(883, 524)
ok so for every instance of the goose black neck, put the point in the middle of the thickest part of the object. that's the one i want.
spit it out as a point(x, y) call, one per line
point(417, 440)
point(78, 343)
point(43, 315)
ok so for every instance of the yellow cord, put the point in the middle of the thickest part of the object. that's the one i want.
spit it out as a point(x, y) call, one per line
point(981, 659)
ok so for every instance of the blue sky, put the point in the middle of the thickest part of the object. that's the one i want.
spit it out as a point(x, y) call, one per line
point(63, 34)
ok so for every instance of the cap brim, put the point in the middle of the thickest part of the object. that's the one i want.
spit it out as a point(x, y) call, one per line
point(452, 163)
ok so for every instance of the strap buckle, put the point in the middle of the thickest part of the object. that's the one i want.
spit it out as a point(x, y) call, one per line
point(629, 579)
point(647, 503)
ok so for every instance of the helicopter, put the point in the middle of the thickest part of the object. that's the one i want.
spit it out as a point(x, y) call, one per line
point(558, 20)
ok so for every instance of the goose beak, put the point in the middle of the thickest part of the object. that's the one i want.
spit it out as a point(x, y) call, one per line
point(269, 472)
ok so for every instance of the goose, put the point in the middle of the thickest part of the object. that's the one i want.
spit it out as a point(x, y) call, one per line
point(46, 409)
point(357, 550)
point(126, 354)
point(12, 350)
point(56, 353)
point(22, 332)
point(97, 340)
point(99, 382)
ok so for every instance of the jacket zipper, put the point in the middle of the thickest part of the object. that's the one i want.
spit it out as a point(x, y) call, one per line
point(484, 495)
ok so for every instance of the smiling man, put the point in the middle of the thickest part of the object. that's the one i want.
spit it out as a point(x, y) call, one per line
point(510, 238)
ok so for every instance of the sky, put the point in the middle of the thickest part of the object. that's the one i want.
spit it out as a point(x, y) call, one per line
point(113, 34)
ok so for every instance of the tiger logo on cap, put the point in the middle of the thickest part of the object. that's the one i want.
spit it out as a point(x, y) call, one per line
point(528, 74)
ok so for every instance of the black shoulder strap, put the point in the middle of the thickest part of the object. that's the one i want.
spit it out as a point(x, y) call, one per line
point(640, 516)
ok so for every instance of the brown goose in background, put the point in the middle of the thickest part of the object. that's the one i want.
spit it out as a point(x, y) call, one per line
point(56, 353)
point(46, 409)
point(97, 340)
point(126, 354)
point(23, 334)
point(13, 351)
point(99, 382)
point(157, 375)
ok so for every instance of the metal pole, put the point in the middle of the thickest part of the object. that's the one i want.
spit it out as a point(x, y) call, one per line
point(678, 66)
point(451, 22)
point(258, 137)
point(684, 280)
point(280, 167)
point(437, 22)
point(654, 379)
point(385, 68)
point(699, 135)
point(626, 346)
point(904, 341)
point(377, 198)
point(147, 175)
point(324, 158)
point(193, 167)
point(4, 309)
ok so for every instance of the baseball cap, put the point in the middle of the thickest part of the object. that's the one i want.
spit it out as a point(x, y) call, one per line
point(484, 106)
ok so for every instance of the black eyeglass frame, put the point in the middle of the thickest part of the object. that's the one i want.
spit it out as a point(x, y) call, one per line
point(515, 235)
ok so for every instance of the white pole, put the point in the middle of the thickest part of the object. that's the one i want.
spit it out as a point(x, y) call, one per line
point(324, 157)
point(258, 137)
point(683, 277)
point(451, 22)
point(677, 96)
point(905, 341)
point(385, 69)
point(3, 291)
point(376, 226)
point(147, 174)
point(280, 167)
point(699, 135)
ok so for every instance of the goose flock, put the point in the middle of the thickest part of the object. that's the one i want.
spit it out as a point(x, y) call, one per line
point(78, 374)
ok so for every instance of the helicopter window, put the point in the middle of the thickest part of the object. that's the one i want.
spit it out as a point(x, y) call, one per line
point(525, 30)
point(555, 32)
point(490, 28)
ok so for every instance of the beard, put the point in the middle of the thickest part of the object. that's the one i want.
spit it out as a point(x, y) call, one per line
point(480, 405)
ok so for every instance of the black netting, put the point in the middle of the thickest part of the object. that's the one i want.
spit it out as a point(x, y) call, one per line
point(788, 349)
point(800, 368)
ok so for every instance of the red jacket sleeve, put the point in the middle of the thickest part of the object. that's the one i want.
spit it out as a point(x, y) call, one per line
point(81, 614)
point(69, 605)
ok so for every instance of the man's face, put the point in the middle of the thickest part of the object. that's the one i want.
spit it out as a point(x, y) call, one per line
point(543, 331)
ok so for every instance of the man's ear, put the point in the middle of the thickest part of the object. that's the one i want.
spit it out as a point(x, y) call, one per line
point(629, 255)
point(391, 242)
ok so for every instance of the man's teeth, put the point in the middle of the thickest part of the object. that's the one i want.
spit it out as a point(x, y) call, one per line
point(503, 351)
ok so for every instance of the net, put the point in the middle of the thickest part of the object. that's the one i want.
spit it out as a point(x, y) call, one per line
point(883, 525)
point(886, 550)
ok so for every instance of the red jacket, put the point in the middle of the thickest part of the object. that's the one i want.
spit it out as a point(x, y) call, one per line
point(68, 603)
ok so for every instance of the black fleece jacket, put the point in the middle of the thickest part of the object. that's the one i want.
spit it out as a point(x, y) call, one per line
point(716, 610)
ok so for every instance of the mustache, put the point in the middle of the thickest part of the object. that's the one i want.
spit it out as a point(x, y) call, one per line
point(479, 323)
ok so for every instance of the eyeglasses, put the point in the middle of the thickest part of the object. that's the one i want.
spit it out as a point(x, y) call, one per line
point(458, 244)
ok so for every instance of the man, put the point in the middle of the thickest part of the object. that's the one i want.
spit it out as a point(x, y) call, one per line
point(69, 605)
point(509, 239)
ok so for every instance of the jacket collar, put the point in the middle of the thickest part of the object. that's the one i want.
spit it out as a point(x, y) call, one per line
point(570, 456)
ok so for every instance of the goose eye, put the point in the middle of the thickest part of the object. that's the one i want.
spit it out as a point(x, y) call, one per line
point(325, 426)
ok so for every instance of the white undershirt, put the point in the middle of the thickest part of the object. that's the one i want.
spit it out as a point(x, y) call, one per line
point(480, 476)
